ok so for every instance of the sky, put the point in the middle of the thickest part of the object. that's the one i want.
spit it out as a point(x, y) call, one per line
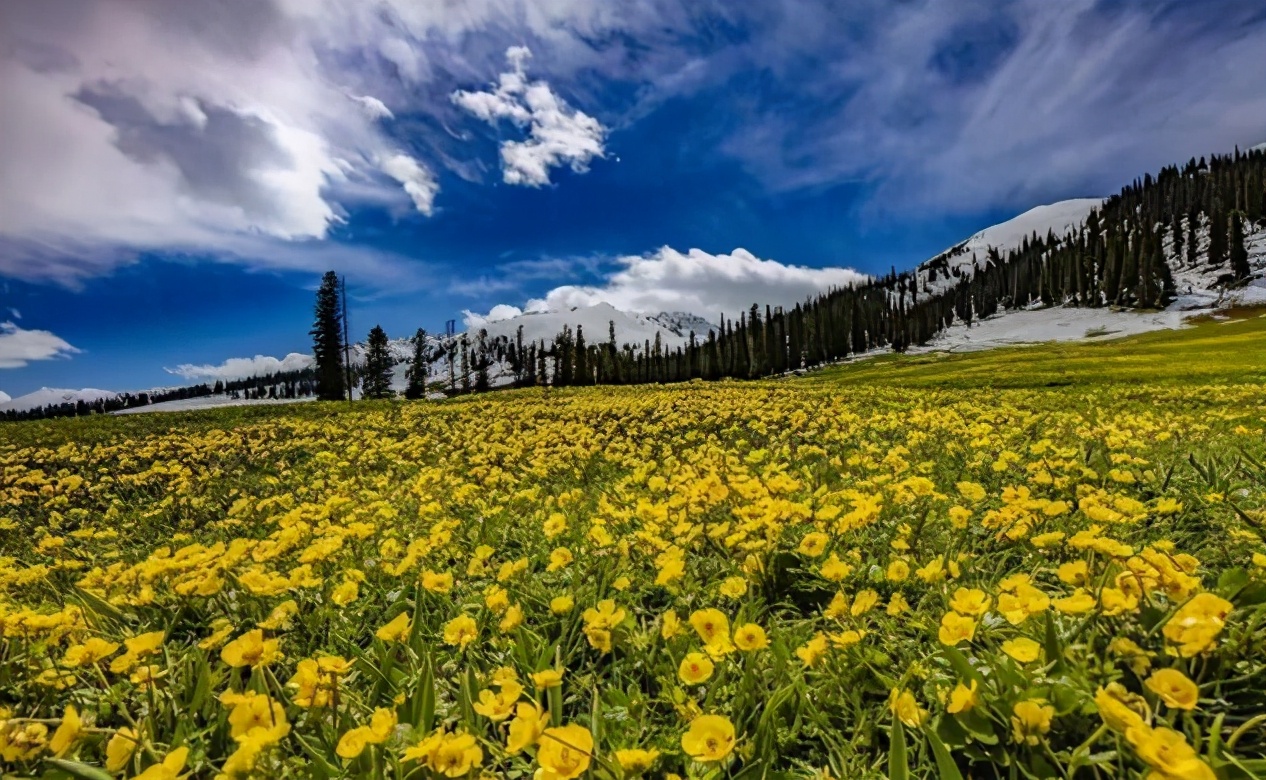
point(175, 177)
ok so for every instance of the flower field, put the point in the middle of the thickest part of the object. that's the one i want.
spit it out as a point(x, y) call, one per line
point(804, 578)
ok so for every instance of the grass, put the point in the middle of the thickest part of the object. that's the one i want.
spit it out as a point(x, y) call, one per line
point(1209, 352)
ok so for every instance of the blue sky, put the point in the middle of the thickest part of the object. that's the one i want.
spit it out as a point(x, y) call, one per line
point(174, 177)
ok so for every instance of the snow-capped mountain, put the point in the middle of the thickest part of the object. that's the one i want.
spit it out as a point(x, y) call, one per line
point(944, 270)
point(53, 396)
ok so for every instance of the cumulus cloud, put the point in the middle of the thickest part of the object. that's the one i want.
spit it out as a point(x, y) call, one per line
point(242, 368)
point(497, 313)
point(695, 282)
point(19, 347)
point(557, 133)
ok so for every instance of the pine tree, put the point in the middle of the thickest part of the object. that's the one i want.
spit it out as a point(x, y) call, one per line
point(1239, 252)
point(482, 361)
point(583, 373)
point(376, 378)
point(327, 340)
point(419, 369)
point(465, 369)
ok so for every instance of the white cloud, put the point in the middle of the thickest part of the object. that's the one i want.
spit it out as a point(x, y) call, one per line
point(557, 133)
point(242, 368)
point(375, 108)
point(19, 347)
point(695, 282)
point(207, 128)
point(418, 181)
point(497, 313)
point(17, 315)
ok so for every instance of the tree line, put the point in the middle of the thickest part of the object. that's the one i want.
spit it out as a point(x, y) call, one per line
point(1124, 255)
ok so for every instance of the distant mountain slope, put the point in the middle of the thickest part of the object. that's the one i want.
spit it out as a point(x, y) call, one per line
point(53, 396)
point(943, 271)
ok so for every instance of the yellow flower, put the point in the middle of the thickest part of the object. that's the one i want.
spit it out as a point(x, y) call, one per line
point(67, 732)
point(345, 593)
point(460, 631)
point(695, 668)
point(559, 559)
point(251, 649)
point(496, 707)
point(1075, 573)
point(279, 619)
point(561, 605)
point(970, 601)
point(1120, 709)
point(170, 767)
point(353, 742)
point(963, 698)
point(512, 619)
point(1081, 601)
point(971, 491)
point(450, 755)
point(750, 636)
point(956, 628)
point(898, 570)
point(564, 752)
point(670, 625)
point(1030, 720)
point(1174, 688)
point(89, 653)
point(622, 583)
point(812, 651)
point(1194, 628)
point(438, 582)
point(906, 709)
point(529, 721)
point(709, 738)
point(863, 602)
point(733, 587)
point(550, 678)
point(813, 544)
point(635, 761)
point(1166, 751)
point(1022, 649)
point(897, 604)
point(712, 626)
point(257, 715)
point(120, 748)
point(834, 569)
point(397, 630)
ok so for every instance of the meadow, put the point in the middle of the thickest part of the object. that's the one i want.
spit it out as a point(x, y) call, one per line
point(1039, 562)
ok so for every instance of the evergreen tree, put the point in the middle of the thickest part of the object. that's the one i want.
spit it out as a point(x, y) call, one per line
point(583, 373)
point(482, 361)
point(1239, 252)
point(327, 340)
point(376, 377)
point(419, 369)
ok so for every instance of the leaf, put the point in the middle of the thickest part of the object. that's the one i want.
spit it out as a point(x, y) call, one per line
point(898, 762)
point(1054, 650)
point(77, 769)
point(961, 665)
point(945, 766)
point(1231, 582)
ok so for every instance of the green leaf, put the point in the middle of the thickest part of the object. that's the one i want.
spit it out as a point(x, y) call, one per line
point(1054, 650)
point(77, 769)
point(1232, 581)
point(945, 766)
point(898, 762)
point(962, 666)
